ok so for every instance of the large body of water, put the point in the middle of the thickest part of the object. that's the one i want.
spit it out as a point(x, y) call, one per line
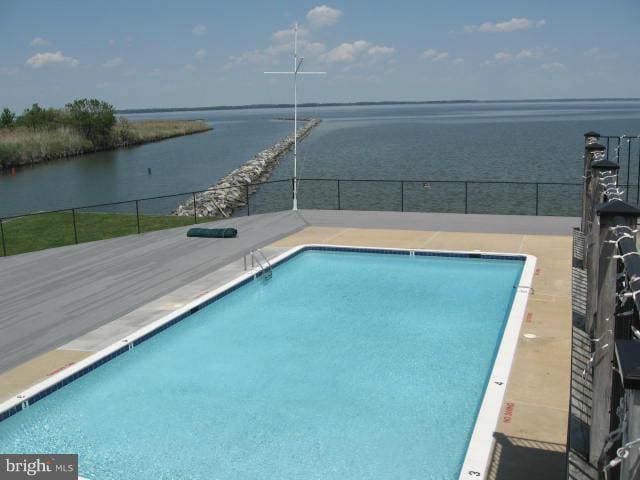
point(480, 141)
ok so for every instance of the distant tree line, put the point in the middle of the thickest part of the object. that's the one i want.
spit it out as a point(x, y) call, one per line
point(93, 119)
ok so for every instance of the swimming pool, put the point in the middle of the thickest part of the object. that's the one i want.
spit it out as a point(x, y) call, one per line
point(356, 363)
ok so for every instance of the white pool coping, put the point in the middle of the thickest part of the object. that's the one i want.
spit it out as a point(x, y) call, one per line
point(476, 462)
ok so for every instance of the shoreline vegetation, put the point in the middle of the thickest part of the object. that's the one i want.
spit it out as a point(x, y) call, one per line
point(84, 126)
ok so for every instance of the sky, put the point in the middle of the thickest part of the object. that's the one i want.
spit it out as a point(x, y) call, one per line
point(149, 54)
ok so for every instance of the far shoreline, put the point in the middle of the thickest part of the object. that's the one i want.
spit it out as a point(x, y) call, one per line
point(266, 106)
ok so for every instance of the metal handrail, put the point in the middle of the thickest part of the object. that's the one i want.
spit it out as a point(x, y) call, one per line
point(267, 272)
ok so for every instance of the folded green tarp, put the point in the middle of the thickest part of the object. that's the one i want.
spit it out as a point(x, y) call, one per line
point(212, 232)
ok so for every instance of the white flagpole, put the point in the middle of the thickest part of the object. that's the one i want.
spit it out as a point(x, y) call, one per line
point(296, 70)
point(295, 116)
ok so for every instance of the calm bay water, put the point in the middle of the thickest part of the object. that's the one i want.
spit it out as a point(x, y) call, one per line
point(484, 141)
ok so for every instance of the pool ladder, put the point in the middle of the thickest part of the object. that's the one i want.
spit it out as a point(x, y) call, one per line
point(256, 256)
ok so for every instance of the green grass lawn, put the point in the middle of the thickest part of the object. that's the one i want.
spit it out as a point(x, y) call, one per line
point(46, 230)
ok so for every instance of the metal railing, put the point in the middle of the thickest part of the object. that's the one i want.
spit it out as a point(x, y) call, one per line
point(625, 151)
point(38, 230)
point(612, 320)
point(443, 196)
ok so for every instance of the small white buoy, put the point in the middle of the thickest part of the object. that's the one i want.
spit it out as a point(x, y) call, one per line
point(530, 335)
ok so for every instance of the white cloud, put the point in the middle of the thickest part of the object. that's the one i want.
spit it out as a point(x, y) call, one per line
point(526, 54)
point(502, 57)
point(358, 50)
point(189, 67)
point(378, 50)
point(199, 30)
point(430, 53)
point(282, 43)
point(346, 52)
point(554, 67)
point(506, 26)
point(8, 70)
point(51, 58)
point(252, 56)
point(201, 54)
point(592, 52)
point(323, 16)
point(113, 63)
point(313, 49)
point(39, 42)
point(287, 35)
point(458, 61)
point(434, 55)
point(599, 54)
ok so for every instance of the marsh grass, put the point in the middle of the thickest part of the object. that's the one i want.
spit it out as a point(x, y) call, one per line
point(24, 146)
point(21, 146)
point(153, 130)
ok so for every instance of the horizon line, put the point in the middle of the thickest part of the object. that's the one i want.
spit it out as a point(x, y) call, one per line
point(256, 106)
point(363, 103)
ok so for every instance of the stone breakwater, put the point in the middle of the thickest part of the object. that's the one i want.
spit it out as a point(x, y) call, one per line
point(230, 192)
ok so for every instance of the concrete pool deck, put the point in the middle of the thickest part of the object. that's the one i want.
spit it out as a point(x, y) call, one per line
point(62, 305)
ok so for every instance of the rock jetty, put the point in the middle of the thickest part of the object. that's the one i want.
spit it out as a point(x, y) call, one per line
point(230, 192)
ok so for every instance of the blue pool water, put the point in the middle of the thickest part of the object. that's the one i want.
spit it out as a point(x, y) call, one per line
point(343, 366)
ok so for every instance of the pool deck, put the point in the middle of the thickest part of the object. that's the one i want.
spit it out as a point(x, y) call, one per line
point(61, 305)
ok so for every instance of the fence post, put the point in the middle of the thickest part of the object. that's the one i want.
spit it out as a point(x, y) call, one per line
point(595, 196)
point(4, 247)
point(246, 196)
point(638, 177)
point(590, 141)
point(466, 197)
point(628, 356)
point(339, 202)
point(591, 197)
point(137, 216)
point(75, 230)
point(628, 168)
point(195, 209)
point(612, 213)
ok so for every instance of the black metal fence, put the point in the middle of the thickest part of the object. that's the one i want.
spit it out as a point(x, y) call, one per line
point(441, 196)
point(625, 151)
point(39, 230)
